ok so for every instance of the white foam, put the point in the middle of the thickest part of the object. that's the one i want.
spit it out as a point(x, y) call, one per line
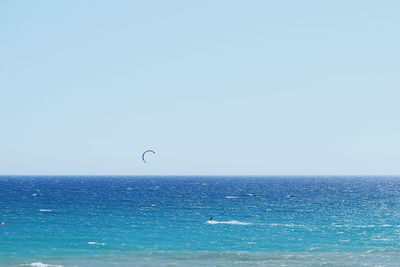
point(286, 224)
point(40, 264)
point(44, 210)
point(96, 243)
point(228, 222)
point(364, 226)
point(231, 197)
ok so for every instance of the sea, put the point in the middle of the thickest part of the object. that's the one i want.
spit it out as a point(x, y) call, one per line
point(199, 221)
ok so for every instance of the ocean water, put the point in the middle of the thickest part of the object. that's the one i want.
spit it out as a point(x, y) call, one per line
point(164, 221)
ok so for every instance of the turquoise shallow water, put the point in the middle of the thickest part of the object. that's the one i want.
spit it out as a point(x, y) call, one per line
point(163, 221)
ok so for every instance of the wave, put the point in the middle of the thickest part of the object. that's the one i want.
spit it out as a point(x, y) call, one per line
point(247, 223)
point(40, 264)
point(44, 210)
point(228, 222)
point(364, 226)
point(286, 224)
point(231, 197)
point(96, 243)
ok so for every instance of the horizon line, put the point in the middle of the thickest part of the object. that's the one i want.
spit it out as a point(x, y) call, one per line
point(206, 175)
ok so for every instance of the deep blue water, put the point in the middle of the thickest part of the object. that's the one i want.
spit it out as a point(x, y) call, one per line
point(87, 221)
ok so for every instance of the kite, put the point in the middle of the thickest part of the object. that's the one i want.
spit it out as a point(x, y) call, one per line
point(144, 154)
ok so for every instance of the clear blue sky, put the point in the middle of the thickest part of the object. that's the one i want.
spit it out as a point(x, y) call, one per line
point(214, 87)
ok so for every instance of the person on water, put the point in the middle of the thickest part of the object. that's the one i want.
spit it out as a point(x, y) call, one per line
point(211, 218)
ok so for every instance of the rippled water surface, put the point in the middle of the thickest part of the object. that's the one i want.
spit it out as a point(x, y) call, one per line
point(147, 221)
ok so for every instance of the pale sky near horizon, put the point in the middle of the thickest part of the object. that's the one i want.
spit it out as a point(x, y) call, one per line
point(214, 87)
